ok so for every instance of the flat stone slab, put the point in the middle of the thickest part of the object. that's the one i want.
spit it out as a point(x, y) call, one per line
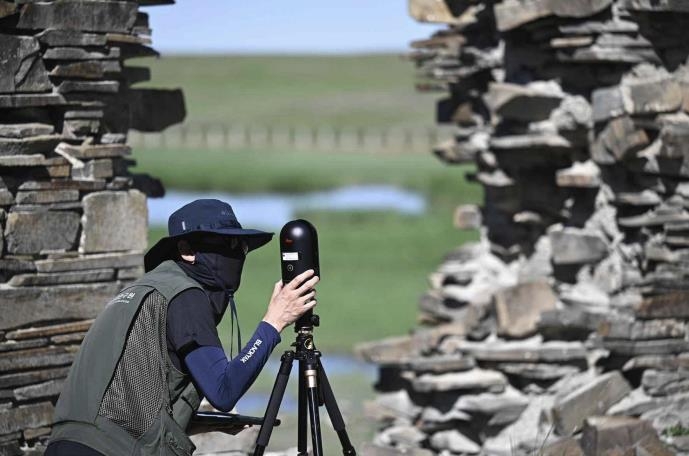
point(54, 38)
point(390, 351)
point(503, 408)
point(439, 364)
point(114, 221)
point(33, 232)
point(515, 101)
point(69, 53)
point(32, 377)
point(50, 330)
point(608, 433)
point(31, 100)
point(49, 389)
point(577, 247)
point(537, 371)
point(44, 144)
point(665, 383)
point(667, 305)
point(525, 351)
point(92, 151)
point(30, 305)
point(593, 398)
point(88, 86)
point(62, 278)
point(13, 345)
point(392, 406)
point(455, 442)
point(37, 358)
point(62, 184)
point(468, 380)
point(46, 197)
point(25, 417)
point(84, 262)
point(519, 308)
point(579, 175)
point(22, 65)
point(512, 14)
point(24, 130)
point(83, 15)
point(630, 329)
point(16, 161)
point(660, 362)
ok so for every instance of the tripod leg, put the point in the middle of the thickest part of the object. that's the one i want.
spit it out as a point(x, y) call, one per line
point(311, 374)
point(301, 417)
point(274, 403)
point(334, 412)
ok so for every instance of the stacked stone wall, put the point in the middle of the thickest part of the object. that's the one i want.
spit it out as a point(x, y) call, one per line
point(564, 330)
point(73, 219)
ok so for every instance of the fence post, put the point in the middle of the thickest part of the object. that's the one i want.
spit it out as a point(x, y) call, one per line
point(408, 138)
point(292, 136)
point(247, 136)
point(314, 136)
point(337, 136)
point(432, 136)
point(225, 136)
point(360, 137)
point(204, 135)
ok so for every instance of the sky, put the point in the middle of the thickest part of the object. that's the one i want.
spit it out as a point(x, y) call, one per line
point(284, 26)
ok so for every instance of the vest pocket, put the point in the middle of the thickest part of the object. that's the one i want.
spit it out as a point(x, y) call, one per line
point(175, 440)
point(173, 446)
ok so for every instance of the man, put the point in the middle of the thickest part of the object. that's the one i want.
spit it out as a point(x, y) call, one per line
point(154, 351)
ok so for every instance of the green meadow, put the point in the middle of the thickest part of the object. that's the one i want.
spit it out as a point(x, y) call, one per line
point(374, 265)
point(355, 90)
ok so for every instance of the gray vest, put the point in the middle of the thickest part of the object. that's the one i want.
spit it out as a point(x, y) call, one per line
point(123, 396)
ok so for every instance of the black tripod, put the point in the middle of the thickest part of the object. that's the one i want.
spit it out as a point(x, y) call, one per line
point(314, 391)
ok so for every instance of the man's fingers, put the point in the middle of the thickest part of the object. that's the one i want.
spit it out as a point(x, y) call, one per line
point(309, 305)
point(308, 284)
point(307, 297)
point(298, 280)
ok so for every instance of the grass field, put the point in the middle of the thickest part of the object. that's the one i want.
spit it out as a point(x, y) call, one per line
point(364, 90)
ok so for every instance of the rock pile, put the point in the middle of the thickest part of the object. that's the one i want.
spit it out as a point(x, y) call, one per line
point(565, 329)
point(73, 220)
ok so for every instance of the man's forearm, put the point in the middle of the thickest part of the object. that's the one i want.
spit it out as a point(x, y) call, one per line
point(224, 381)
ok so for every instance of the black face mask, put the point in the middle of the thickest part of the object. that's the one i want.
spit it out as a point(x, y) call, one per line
point(218, 267)
point(220, 271)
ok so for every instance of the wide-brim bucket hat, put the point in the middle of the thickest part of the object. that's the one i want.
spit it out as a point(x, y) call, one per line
point(202, 216)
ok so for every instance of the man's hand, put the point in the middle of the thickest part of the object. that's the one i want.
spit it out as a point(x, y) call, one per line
point(291, 301)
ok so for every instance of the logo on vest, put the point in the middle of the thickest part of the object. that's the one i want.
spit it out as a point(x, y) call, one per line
point(123, 298)
point(251, 351)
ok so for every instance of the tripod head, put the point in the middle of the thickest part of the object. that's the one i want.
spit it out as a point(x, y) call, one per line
point(299, 253)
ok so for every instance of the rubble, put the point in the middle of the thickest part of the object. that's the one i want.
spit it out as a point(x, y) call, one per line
point(575, 116)
point(73, 219)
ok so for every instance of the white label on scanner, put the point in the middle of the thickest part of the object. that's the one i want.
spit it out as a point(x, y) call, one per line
point(290, 256)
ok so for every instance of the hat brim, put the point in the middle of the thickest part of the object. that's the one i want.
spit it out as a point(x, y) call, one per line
point(166, 248)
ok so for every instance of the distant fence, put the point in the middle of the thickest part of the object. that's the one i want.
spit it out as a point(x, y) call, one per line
point(321, 138)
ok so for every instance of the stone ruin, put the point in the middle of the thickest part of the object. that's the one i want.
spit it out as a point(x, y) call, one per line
point(73, 219)
point(564, 330)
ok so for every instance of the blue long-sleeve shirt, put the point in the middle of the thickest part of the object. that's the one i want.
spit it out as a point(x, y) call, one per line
point(223, 381)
